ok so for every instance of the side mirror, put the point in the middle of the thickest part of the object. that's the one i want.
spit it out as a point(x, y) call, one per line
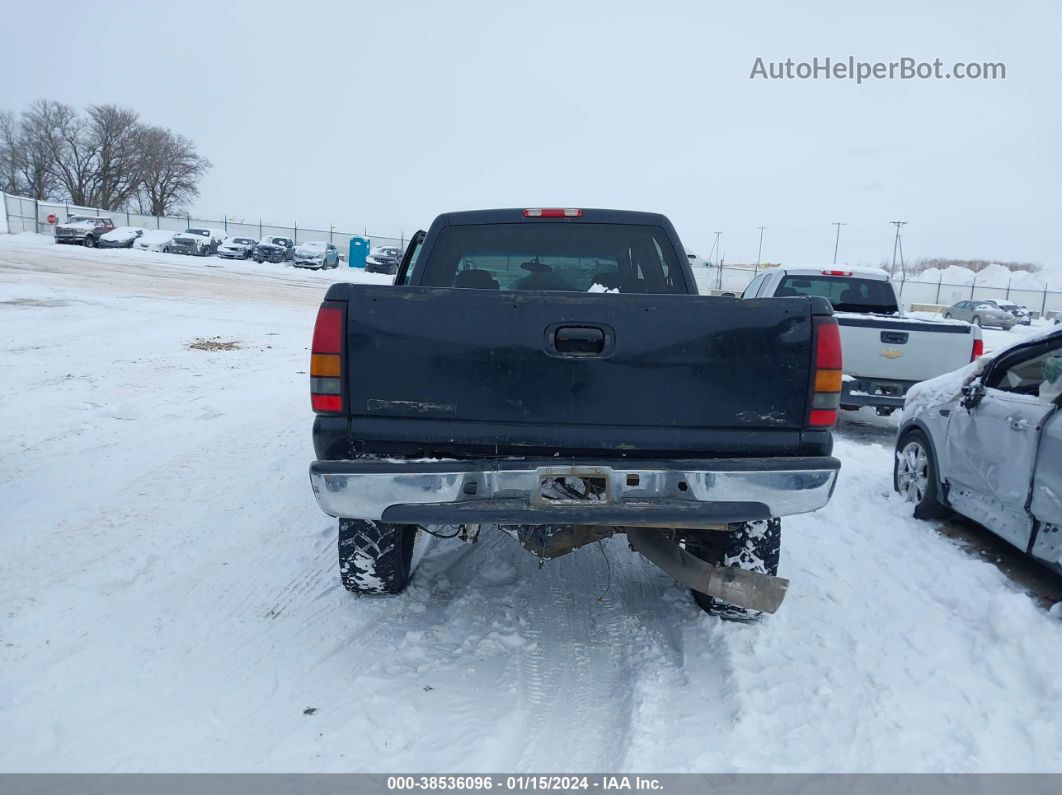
point(972, 395)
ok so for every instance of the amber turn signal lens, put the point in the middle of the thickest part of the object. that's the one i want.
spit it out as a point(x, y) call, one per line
point(828, 381)
point(325, 365)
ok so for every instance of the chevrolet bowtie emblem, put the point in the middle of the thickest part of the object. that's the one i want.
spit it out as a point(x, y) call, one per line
point(891, 353)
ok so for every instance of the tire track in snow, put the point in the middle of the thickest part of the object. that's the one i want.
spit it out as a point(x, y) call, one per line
point(577, 674)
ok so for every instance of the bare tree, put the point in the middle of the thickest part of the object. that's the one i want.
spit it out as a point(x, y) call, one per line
point(170, 170)
point(105, 158)
point(112, 135)
point(71, 153)
point(35, 163)
point(10, 154)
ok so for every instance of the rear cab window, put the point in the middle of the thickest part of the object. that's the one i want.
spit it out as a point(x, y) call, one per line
point(846, 293)
point(569, 257)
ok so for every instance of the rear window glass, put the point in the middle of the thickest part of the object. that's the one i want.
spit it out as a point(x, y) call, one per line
point(846, 294)
point(570, 257)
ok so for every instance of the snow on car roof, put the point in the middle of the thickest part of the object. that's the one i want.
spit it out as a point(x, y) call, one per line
point(313, 244)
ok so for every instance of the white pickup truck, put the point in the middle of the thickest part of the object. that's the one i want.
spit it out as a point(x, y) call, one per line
point(884, 352)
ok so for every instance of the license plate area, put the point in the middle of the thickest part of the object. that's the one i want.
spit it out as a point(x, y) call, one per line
point(572, 487)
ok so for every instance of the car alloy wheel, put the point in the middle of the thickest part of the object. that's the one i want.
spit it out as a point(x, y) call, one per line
point(912, 472)
point(90, 242)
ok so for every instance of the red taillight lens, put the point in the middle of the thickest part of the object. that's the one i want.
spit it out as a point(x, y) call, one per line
point(978, 350)
point(826, 374)
point(837, 273)
point(827, 345)
point(326, 402)
point(552, 212)
point(328, 331)
point(822, 418)
point(326, 361)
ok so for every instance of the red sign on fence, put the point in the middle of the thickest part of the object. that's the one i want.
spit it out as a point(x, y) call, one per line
point(53, 218)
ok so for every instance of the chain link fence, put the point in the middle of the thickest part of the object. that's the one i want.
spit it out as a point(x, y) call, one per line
point(31, 215)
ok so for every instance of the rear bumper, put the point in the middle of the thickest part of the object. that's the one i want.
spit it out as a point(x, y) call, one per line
point(875, 392)
point(688, 493)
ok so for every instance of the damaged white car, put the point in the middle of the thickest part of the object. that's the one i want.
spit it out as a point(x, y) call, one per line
point(986, 442)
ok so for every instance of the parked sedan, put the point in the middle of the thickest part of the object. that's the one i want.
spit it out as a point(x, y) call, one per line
point(122, 237)
point(981, 313)
point(155, 240)
point(274, 249)
point(237, 248)
point(383, 259)
point(1020, 313)
point(316, 254)
point(986, 442)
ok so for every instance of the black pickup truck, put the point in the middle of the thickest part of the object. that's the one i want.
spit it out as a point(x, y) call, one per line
point(553, 374)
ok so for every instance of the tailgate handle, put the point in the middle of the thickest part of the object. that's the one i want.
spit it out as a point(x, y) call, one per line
point(587, 340)
point(894, 337)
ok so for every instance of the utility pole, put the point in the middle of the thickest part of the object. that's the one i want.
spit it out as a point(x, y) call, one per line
point(837, 240)
point(895, 248)
point(759, 251)
point(715, 248)
point(719, 262)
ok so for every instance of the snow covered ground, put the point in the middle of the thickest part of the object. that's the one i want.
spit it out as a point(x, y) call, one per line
point(170, 597)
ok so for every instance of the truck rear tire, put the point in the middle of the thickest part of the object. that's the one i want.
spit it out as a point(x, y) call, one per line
point(752, 546)
point(375, 557)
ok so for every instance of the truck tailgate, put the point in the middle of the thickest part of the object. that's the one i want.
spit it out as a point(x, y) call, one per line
point(607, 371)
point(903, 349)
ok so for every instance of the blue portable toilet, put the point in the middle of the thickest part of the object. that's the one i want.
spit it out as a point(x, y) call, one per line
point(359, 250)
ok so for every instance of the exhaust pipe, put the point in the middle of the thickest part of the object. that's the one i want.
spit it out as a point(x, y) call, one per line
point(748, 589)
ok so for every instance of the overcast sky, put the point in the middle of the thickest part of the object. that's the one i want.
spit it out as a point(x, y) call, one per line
point(383, 114)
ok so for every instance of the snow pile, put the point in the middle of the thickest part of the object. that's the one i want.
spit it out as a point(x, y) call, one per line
point(953, 274)
point(993, 276)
